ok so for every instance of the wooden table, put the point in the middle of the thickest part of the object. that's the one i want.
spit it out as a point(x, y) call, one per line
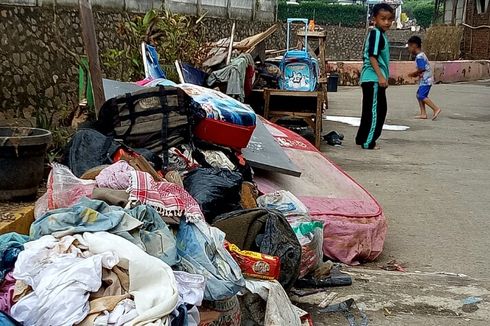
point(306, 106)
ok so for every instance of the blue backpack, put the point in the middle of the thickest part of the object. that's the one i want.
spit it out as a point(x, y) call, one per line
point(299, 70)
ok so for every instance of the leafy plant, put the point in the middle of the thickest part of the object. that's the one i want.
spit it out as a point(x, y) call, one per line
point(324, 12)
point(175, 36)
point(53, 120)
point(421, 10)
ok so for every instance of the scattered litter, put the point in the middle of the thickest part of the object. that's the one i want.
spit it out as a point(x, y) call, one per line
point(305, 292)
point(470, 304)
point(335, 278)
point(334, 138)
point(472, 300)
point(328, 300)
point(345, 309)
point(393, 265)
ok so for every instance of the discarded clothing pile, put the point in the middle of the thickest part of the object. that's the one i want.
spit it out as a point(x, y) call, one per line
point(126, 241)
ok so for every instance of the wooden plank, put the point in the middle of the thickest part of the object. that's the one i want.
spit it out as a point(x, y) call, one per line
point(228, 10)
point(292, 114)
point(90, 42)
point(230, 46)
point(318, 121)
point(281, 92)
point(319, 34)
point(263, 152)
point(199, 8)
point(20, 221)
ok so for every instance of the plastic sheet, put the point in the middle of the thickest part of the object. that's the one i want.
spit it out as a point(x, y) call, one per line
point(64, 190)
point(202, 250)
point(310, 236)
point(283, 201)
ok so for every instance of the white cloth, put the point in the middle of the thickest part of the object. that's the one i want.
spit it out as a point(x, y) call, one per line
point(218, 160)
point(124, 312)
point(61, 279)
point(151, 281)
point(191, 287)
point(279, 310)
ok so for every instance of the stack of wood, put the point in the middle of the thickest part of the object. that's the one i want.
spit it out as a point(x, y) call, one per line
point(255, 45)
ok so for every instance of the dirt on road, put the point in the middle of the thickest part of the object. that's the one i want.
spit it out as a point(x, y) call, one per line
point(433, 181)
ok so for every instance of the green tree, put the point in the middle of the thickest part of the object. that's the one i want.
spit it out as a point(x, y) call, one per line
point(421, 10)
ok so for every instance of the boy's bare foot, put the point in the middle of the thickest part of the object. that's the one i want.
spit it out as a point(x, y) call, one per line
point(436, 114)
point(420, 117)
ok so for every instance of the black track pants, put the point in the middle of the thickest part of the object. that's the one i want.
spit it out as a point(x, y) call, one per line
point(373, 114)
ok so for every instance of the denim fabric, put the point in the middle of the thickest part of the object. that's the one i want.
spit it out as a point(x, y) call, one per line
point(202, 251)
point(11, 244)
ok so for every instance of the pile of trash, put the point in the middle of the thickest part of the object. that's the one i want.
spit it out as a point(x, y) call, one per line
point(154, 219)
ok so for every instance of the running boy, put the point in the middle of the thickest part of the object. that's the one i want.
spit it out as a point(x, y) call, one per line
point(374, 77)
point(424, 73)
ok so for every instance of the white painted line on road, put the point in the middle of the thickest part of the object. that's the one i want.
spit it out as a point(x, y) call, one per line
point(355, 122)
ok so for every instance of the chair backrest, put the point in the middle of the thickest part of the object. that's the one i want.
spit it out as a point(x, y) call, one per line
point(151, 63)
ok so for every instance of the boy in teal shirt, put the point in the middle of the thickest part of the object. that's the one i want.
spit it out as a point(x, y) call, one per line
point(374, 77)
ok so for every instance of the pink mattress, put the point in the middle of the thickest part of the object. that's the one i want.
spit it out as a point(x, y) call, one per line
point(355, 227)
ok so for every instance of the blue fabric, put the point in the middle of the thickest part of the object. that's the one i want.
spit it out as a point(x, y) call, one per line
point(141, 225)
point(6, 320)
point(11, 244)
point(423, 63)
point(193, 75)
point(85, 216)
point(154, 68)
point(204, 253)
point(423, 92)
point(219, 106)
point(153, 236)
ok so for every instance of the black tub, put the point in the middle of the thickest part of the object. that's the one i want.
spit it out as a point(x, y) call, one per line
point(22, 153)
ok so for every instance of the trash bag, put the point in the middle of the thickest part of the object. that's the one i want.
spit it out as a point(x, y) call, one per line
point(202, 251)
point(216, 190)
point(87, 149)
point(310, 236)
point(265, 231)
point(283, 201)
point(64, 189)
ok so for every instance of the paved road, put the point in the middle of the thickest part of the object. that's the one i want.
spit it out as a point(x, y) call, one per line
point(432, 180)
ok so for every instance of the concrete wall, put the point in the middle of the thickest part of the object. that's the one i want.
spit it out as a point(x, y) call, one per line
point(444, 71)
point(448, 13)
point(262, 10)
point(37, 73)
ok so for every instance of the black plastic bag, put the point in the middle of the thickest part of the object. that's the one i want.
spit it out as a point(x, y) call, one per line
point(216, 190)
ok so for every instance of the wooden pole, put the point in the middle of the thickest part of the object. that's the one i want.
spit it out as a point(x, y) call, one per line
point(90, 43)
point(230, 48)
point(228, 8)
point(199, 8)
